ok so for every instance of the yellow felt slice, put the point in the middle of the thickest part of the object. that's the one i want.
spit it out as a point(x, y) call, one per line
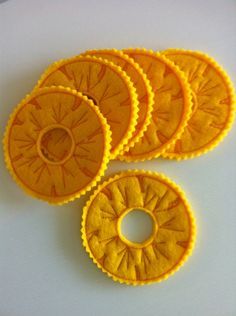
point(141, 84)
point(172, 105)
point(107, 85)
point(170, 243)
point(213, 104)
point(57, 144)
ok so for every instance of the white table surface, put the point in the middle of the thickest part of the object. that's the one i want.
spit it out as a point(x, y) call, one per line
point(44, 271)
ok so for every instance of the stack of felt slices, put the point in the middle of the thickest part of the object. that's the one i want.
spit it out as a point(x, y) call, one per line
point(132, 105)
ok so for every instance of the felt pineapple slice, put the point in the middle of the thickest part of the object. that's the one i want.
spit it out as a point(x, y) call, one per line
point(107, 85)
point(141, 83)
point(171, 109)
point(57, 144)
point(173, 234)
point(213, 104)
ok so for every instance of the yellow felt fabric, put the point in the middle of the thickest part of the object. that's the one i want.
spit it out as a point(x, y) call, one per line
point(213, 104)
point(172, 105)
point(141, 84)
point(164, 252)
point(57, 144)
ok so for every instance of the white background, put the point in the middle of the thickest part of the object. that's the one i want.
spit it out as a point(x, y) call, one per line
point(44, 271)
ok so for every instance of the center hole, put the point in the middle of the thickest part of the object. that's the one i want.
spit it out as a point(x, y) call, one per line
point(55, 144)
point(90, 98)
point(137, 226)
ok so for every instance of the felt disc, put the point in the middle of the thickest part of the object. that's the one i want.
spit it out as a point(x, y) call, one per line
point(213, 104)
point(159, 256)
point(172, 105)
point(141, 84)
point(57, 144)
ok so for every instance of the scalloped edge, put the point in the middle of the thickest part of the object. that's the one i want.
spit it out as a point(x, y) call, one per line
point(106, 155)
point(119, 149)
point(187, 112)
point(146, 82)
point(213, 144)
point(192, 219)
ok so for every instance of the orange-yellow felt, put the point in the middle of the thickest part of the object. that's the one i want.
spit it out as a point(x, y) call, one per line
point(213, 104)
point(172, 238)
point(172, 104)
point(56, 144)
point(141, 84)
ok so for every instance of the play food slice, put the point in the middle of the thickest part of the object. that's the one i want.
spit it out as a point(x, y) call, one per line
point(163, 252)
point(107, 85)
point(141, 84)
point(172, 105)
point(57, 144)
point(213, 104)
